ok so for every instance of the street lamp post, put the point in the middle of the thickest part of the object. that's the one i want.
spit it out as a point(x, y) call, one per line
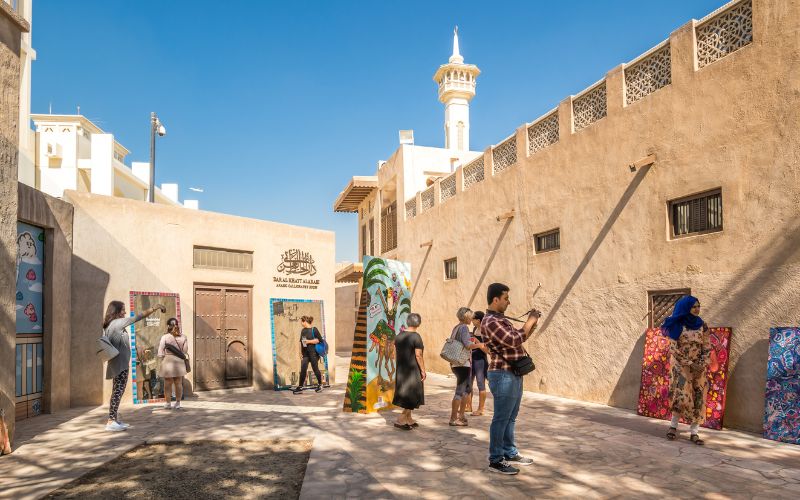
point(156, 127)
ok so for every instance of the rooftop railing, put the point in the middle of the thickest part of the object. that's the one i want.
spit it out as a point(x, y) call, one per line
point(447, 187)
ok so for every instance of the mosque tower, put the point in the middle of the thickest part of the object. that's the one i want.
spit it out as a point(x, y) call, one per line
point(456, 82)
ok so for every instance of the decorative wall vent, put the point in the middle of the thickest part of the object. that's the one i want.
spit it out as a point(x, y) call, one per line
point(589, 107)
point(505, 154)
point(648, 75)
point(724, 32)
point(227, 260)
point(447, 187)
point(543, 133)
point(473, 172)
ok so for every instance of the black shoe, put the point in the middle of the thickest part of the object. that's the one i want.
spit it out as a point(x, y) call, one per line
point(298, 390)
point(519, 460)
point(318, 389)
point(503, 468)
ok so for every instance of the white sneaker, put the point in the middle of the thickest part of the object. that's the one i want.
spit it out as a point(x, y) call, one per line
point(115, 427)
point(167, 406)
point(177, 407)
point(123, 424)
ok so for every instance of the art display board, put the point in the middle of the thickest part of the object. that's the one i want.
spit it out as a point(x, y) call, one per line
point(782, 398)
point(147, 385)
point(385, 305)
point(30, 279)
point(654, 389)
point(285, 317)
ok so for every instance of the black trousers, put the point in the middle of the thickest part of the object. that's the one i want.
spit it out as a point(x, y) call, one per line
point(314, 360)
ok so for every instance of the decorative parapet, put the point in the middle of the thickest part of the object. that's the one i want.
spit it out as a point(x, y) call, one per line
point(447, 187)
point(724, 31)
point(504, 155)
point(411, 208)
point(473, 172)
point(589, 106)
point(648, 73)
point(428, 199)
point(543, 133)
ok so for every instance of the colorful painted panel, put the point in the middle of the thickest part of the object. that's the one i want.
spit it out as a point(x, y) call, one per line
point(782, 404)
point(355, 396)
point(30, 279)
point(654, 389)
point(286, 327)
point(387, 283)
point(148, 386)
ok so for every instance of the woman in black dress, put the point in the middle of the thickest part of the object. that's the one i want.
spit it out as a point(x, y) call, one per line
point(409, 392)
point(309, 338)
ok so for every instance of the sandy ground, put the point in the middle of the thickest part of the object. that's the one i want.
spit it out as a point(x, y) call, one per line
point(200, 469)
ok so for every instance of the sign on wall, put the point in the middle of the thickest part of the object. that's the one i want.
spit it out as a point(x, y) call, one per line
point(148, 385)
point(295, 270)
point(30, 279)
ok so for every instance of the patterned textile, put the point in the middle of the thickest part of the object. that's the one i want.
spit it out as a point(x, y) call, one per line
point(688, 384)
point(782, 405)
point(654, 391)
point(119, 383)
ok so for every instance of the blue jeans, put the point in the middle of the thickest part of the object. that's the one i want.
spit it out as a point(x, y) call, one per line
point(507, 393)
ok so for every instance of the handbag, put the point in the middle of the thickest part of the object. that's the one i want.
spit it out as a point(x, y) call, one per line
point(177, 352)
point(454, 351)
point(322, 347)
point(105, 349)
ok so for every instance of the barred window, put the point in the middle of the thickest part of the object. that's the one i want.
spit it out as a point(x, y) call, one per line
point(218, 258)
point(661, 304)
point(548, 241)
point(372, 236)
point(697, 214)
point(451, 269)
point(363, 240)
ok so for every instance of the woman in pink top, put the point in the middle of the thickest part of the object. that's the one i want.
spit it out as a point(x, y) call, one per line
point(173, 367)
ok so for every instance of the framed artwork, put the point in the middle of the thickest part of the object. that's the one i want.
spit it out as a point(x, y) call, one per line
point(285, 317)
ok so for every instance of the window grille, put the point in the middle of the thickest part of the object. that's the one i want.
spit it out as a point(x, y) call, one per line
point(589, 107)
point(451, 269)
point(505, 154)
point(227, 260)
point(543, 133)
point(363, 240)
point(427, 199)
point(389, 228)
point(696, 215)
point(411, 208)
point(661, 304)
point(648, 75)
point(725, 32)
point(372, 236)
point(549, 241)
point(447, 187)
point(473, 172)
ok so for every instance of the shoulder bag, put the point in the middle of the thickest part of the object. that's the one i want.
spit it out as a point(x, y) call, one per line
point(322, 347)
point(454, 351)
point(178, 352)
point(105, 349)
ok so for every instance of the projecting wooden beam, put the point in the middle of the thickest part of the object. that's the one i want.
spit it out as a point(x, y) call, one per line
point(507, 215)
point(647, 160)
point(426, 244)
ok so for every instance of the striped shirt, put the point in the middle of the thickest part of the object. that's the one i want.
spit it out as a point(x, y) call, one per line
point(503, 340)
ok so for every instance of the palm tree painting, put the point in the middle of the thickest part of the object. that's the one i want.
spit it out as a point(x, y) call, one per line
point(386, 283)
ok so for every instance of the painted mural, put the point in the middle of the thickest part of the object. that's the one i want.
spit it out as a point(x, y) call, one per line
point(388, 298)
point(654, 389)
point(30, 279)
point(285, 315)
point(782, 402)
point(148, 387)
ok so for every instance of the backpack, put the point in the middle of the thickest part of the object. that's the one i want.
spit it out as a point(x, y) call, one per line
point(322, 347)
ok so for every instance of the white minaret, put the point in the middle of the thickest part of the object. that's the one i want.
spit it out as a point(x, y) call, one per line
point(456, 82)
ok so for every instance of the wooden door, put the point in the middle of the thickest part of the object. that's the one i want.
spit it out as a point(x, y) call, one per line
point(237, 338)
point(222, 338)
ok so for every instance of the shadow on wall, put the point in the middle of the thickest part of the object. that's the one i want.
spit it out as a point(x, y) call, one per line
point(626, 392)
point(489, 261)
point(89, 286)
point(601, 236)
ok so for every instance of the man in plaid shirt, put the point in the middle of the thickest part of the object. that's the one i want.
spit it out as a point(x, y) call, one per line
point(505, 344)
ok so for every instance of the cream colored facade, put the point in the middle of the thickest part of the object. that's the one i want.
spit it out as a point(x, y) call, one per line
point(72, 153)
point(711, 108)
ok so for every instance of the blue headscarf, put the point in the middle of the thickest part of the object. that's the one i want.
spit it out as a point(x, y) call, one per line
point(681, 316)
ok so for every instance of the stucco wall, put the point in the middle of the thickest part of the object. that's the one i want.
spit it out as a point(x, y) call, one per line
point(123, 245)
point(9, 140)
point(731, 125)
point(55, 216)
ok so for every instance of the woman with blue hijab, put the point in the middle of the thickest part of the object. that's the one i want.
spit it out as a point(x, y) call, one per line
point(691, 356)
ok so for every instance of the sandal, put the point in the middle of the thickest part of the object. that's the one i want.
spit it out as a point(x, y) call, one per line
point(672, 433)
point(696, 440)
point(414, 425)
point(458, 423)
point(477, 413)
point(405, 427)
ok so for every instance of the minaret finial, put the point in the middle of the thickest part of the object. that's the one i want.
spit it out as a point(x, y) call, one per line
point(456, 57)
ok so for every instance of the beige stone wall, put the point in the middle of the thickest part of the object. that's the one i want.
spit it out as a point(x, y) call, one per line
point(55, 216)
point(122, 245)
point(346, 308)
point(731, 125)
point(10, 29)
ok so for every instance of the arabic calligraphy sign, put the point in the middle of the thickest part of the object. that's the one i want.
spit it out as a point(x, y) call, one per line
point(295, 261)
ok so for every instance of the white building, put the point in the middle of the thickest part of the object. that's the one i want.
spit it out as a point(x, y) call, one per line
point(72, 153)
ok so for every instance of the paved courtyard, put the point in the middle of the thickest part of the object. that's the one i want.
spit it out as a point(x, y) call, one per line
point(580, 449)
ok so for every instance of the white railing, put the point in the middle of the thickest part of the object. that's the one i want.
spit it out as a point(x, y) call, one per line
point(648, 73)
point(589, 106)
point(724, 31)
point(447, 187)
point(473, 172)
point(504, 155)
point(543, 133)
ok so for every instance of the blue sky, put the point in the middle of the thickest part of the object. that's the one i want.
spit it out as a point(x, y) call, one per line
point(271, 107)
